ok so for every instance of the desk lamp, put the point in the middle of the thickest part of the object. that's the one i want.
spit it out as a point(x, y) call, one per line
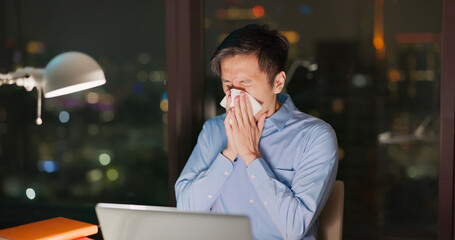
point(66, 73)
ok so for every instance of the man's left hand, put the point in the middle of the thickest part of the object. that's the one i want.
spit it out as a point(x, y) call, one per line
point(246, 132)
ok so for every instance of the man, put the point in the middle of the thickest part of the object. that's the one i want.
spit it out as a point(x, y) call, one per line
point(278, 166)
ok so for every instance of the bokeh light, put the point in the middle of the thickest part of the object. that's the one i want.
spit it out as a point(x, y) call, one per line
point(338, 105)
point(394, 75)
point(341, 153)
point(143, 58)
point(112, 174)
point(313, 67)
point(107, 116)
point(305, 9)
point(104, 159)
point(64, 116)
point(48, 166)
point(138, 89)
point(233, 13)
point(34, 47)
point(94, 175)
point(92, 97)
point(142, 76)
point(378, 43)
point(157, 76)
point(292, 36)
point(221, 14)
point(164, 105)
point(258, 11)
point(359, 80)
point(30, 193)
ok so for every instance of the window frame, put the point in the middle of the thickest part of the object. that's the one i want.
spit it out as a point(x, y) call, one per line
point(185, 82)
point(446, 166)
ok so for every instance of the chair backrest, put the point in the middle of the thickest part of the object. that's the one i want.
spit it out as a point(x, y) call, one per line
point(331, 218)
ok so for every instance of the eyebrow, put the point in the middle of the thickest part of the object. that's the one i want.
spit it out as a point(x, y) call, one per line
point(242, 81)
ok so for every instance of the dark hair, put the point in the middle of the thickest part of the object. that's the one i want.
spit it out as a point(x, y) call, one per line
point(269, 46)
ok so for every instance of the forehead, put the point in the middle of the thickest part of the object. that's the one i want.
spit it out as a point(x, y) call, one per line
point(240, 66)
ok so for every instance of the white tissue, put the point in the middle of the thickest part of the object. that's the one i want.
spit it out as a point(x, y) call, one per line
point(234, 93)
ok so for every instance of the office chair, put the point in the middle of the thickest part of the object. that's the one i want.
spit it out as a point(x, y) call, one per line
point(331, 218)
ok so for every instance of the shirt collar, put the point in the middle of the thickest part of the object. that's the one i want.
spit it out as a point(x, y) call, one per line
point(280, 117)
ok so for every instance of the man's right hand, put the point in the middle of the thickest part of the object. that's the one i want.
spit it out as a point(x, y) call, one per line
point(230, 152)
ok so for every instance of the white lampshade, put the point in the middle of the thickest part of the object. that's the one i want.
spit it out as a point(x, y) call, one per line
point(71, 72)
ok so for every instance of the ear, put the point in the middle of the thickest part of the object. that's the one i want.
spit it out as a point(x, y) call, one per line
point(278, 82)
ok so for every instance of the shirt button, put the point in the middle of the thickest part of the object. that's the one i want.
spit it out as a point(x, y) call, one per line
point(251, 200)
point(210, 196)
point(252, 176)
point(226, 173)
point(265, 203)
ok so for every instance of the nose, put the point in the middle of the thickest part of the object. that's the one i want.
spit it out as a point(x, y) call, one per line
point(237, 85)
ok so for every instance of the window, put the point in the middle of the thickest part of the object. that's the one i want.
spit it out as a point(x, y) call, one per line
point(371, 69)
point(106, 144)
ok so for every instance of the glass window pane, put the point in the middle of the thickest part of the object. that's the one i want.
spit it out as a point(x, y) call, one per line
point(372, 70)
point(106, 144)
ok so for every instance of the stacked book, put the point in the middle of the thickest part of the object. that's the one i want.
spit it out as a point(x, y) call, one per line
point(58, 228)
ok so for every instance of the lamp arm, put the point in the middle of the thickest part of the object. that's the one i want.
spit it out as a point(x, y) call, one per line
point(23, 80)
point(39, 91)
point(28, 82)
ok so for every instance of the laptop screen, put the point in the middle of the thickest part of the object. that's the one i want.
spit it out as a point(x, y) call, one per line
point(135, 222)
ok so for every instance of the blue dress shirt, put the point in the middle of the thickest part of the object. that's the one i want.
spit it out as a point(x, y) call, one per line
point(283, 192)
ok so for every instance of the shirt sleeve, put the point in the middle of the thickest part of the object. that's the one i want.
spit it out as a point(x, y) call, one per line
point(203, 177)
point(294, 210)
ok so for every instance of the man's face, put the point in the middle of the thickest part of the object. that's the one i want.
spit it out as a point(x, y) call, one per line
point(242, 72)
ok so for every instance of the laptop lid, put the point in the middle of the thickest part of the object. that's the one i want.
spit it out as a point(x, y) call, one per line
point(136, 222)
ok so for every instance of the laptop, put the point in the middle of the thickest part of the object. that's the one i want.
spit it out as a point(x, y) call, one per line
point(136, 222)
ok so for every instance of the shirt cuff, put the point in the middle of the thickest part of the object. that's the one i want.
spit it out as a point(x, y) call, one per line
point(259, 169)
point(221, 166)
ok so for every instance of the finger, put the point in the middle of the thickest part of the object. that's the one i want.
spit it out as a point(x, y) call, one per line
point(234, 122)
point(244, 108)
point(238, 112)
point(261, 123)
point(228, 102)
point(227, 124)
point(251, 119)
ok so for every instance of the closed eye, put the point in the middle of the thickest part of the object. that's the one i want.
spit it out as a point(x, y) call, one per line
point(246, 82)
